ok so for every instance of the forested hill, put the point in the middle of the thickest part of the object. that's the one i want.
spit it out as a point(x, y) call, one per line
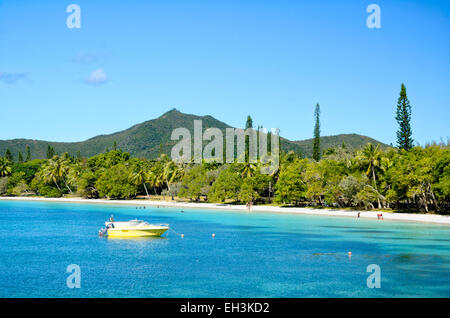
point(354, 141)
point(149, 138)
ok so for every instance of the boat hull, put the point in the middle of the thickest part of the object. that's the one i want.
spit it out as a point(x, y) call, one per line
point(123, 232)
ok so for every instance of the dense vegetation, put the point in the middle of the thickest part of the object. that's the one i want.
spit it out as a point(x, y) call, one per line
point(405, 178)
point(416, 180)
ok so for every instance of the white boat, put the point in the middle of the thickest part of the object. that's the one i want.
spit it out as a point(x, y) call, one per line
point(133, 228)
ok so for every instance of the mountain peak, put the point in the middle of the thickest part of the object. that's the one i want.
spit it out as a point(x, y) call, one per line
point(148, 138)
point(172, 111)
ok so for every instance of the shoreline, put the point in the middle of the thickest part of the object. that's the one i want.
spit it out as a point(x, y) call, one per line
point(409, 217)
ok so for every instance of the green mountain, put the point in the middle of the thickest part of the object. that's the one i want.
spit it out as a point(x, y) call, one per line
point(147, 139)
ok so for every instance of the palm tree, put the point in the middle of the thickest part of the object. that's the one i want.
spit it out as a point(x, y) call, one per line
point(74, 173)
point(65, 169)
point(157, 179)
point(248, 169)
point(141, 175)
point(5, 168)
point(56, 169)
point(50, 173)
point(372, 158)
point(171, 173)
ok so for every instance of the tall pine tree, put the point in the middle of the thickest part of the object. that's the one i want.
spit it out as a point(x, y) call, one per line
point(20, 157)
point(28, 151)
point(8, 155)
point(403, 117)
point(50, 152)
point(316, 143)
point(248, 124)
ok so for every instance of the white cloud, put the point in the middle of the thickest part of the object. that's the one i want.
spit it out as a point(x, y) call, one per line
point(97, 77)
point(11, 78)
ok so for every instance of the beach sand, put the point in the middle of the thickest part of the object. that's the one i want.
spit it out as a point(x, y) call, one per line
point(423, 218)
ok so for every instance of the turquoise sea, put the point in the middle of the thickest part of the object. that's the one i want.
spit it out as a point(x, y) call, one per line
point(252, 255)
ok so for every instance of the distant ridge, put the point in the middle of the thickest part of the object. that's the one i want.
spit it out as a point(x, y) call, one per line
point(354, 141)
point(146, 139)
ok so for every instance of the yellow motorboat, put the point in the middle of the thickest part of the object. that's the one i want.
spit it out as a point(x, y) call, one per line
point(133, 228)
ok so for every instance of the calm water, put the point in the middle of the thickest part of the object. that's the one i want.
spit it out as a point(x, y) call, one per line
point(252, 255)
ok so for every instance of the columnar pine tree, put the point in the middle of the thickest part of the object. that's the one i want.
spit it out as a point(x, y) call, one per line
point(28, 151)
point(248, 124)
point(257, 139)
point(50, 152)
point(404, 133)
point(20, 157)
point(316, 144)
point(8, 155)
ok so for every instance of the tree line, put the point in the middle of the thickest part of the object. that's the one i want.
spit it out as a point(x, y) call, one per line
point(404, 178)
point(418, 179)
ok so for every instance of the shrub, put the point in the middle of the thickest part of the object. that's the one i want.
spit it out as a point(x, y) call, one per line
point(3, 185)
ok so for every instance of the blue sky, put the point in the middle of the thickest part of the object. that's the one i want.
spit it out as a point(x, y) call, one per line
point(132, 61)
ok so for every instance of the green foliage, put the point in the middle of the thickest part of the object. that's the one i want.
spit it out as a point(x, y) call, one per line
point(8, 155)
point(323, 180)
point(107, 160)
point(17, 186)
point(197, 182)
point(226, 186)
point(5, 167)
point(291, 186)
point(350, 186)
point(3, 185)
point(417, 179)
point(316, 143)
point(140, 174)
point(403, 117)
point(367, 196)
point(56, 170)
point(113, 183)
point(50, 192)
point(15, 179)
point(28, 152)
point(29, 168)
point(247, 192)
point(249, 122)
point(50, 152)
point(86, 184)
point(20, 189)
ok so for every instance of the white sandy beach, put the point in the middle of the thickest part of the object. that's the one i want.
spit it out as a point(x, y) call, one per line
point(423, 218)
